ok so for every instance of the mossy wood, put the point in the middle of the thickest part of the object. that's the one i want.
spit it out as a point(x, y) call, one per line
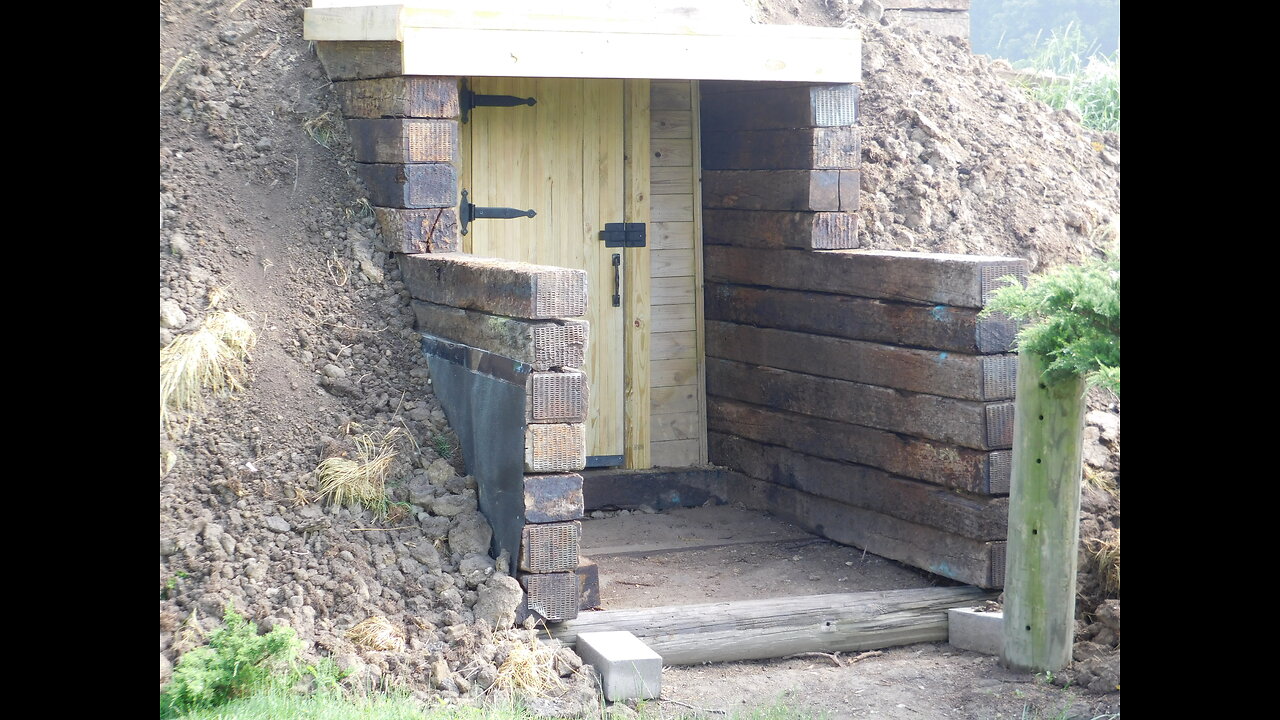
point(1044, 520)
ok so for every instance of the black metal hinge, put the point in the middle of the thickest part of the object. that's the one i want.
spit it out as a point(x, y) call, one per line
point(623, 235)
point(468, 100)
point(468, 211)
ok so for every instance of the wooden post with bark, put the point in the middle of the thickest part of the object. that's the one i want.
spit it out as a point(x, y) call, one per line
point(1044, 519)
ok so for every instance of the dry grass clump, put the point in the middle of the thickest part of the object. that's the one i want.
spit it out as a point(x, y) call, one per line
point(1104, 553)
point(376, 633)
point(529, 668)
point(1102, 480)
point(363, 479)
point(213, 358)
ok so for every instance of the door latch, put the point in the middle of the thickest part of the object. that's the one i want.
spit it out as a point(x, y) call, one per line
point(617, 280)
point(467, 101)
point(468, 211)
point(623, 235)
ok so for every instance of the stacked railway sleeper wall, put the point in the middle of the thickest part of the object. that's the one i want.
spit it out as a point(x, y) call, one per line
point(500, 337)
point(942, 17)
point(858, 392)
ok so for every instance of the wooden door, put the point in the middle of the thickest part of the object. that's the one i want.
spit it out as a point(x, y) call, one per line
point(564, 158)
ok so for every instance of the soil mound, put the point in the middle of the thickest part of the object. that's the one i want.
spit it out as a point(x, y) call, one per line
point(261, 214)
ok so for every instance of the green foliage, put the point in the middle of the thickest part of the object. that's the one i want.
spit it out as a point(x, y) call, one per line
point(1089, 82)
point(443, 446)
point(236, 662)
point(1071, 316)
point(1013, 28)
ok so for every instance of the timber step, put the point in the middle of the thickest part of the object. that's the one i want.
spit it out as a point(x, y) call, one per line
point(759, 629)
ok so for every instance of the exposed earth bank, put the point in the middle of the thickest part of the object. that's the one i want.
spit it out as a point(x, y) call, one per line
point(261, 214)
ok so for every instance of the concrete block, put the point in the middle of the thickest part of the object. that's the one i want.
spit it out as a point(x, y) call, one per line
point(981, 632)
point(628, 668)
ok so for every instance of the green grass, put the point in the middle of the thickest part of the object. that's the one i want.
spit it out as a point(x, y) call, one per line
point(1089, 82)
point(280, 704)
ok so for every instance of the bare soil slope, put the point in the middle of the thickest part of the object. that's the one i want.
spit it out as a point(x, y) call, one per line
point(261, 212)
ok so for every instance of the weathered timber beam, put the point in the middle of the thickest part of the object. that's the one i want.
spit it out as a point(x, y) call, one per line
point(981, 517)
point(781, 189)
point(825, 148)
point(758, 629)
point(496, 286)
point(360, 60)
point(403, 140)
point(550, 547)
point(552, 498)
point(976, 562)
point(761, 106)
point(780, 229)
point(432, 230)
point(556, 397)
point(541, 344)
point(660, 489)
point(977, 425)
point(949, 374)
point(418, 185)
point(934, 327)
point(956, 280)
point(555, 447)
point(401, 96)
point(976, 471)
point(941, 5)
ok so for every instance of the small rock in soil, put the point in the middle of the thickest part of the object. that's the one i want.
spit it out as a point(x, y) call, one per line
point(171, 315)
point(470, 534)
point(237, 32)
point(278, 524)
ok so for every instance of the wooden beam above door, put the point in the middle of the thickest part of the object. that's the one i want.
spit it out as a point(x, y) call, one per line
point(444, 37)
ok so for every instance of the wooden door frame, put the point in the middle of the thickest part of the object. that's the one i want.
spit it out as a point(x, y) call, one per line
point(636, 310)
point(635, 398)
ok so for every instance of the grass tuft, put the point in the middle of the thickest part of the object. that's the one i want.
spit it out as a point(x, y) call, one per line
point(376, 633)
point(529, 668)
point(211, 358)
point(1104, 553)
point(321, 129)
point(1083, 80)
point(361, 480)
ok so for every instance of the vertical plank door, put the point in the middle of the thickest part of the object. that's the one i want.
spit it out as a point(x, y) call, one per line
point(564, 158)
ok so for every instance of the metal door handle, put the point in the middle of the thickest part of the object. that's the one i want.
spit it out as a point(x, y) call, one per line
point(617, 280)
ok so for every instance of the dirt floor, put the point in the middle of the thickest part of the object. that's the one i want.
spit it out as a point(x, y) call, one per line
point(722, 553)
point(261, 213)
point(929, 680)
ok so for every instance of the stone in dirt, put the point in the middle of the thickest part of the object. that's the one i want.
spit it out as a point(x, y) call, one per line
point(469, 534)
point(171, 315)
point(278, 524)
point(498, 598)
